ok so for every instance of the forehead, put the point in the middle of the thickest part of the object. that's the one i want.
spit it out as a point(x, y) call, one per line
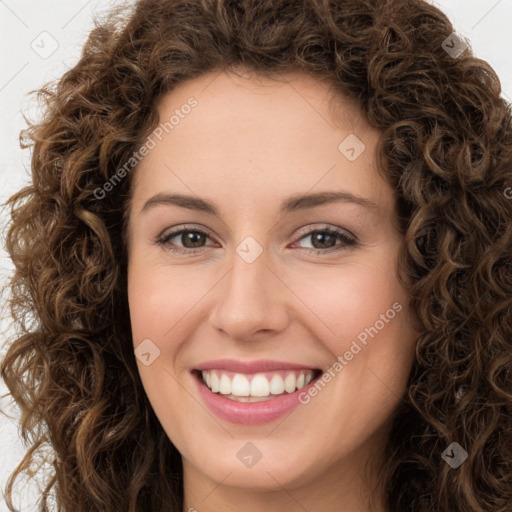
point(247, 132)
point(252, 90)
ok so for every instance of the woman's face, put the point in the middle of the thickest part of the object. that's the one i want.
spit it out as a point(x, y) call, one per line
point(231, 271)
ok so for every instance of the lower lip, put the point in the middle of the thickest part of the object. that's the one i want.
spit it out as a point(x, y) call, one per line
point(250, 413)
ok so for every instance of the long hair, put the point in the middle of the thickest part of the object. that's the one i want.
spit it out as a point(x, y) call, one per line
point(446, 148)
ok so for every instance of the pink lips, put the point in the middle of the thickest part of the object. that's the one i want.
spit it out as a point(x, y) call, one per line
point(249, 413)
point(250, 366)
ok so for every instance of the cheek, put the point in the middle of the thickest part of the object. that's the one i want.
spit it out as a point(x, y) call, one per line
point(362, 318)
point(157, 304)
point(362, 315)
point(160, 296)
point(350, 299)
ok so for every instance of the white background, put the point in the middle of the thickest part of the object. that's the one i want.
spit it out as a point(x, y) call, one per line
point(29, 28)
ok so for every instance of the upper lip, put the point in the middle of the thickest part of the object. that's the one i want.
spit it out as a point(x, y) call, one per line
point(263, 365)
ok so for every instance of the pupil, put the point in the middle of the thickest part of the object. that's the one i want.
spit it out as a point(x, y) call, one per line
point(321, 238)
point(190, 236)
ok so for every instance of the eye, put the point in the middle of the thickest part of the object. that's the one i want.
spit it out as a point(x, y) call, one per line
point(192, 239)
point(324, 239)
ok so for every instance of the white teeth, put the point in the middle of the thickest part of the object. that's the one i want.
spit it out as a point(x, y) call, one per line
point(225, 385)
point(240, 385)
point(276, 385)
point(257, 385)
point(289, 383)
point(215, 381)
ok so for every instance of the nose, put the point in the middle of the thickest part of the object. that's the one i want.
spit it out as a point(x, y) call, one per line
point(250, 300)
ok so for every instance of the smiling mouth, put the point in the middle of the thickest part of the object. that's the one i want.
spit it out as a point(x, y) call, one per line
point(256, 387)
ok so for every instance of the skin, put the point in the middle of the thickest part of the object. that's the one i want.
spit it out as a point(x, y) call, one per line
point(247, 146)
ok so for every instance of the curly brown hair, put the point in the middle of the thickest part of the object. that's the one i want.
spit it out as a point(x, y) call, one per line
point(446, 148)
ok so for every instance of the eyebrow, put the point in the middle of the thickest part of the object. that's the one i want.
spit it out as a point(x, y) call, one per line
point(292, 204)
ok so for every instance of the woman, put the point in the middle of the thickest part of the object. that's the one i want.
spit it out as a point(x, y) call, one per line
point(267, 250)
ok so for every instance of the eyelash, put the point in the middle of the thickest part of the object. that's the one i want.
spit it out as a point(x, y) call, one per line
point(347, 240)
